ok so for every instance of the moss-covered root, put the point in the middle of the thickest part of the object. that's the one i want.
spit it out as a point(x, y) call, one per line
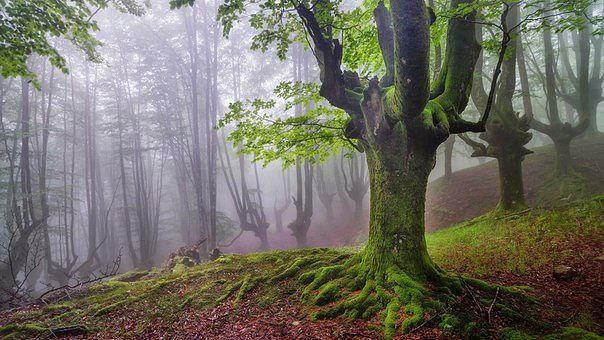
point(350, 290)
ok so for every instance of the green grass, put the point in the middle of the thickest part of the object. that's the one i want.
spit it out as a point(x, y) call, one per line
point(517, 243)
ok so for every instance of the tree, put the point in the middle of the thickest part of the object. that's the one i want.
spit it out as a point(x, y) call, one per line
point(249, 207)
point(356, 182)
point(560, 132)
point(190, 22)
point(398, 122)
point(448, 155)
point(585, 91)
point(506, 131)
point(324, 194)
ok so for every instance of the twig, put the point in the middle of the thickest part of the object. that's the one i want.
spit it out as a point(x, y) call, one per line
point(492, 304)
point(472, 295)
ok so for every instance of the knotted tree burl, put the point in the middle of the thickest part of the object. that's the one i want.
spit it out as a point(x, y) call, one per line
point(398, 121)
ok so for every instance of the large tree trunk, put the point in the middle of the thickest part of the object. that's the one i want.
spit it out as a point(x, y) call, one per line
point(397, 201)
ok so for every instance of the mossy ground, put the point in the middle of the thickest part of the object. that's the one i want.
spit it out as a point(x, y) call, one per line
point(322, 282)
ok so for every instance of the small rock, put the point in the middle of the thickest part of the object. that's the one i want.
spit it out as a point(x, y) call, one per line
point(562, 272)
point(296, 323)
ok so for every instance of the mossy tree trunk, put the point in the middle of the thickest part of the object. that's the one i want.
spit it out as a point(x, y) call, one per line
point(396, 229)
point(399, 122)
point(511, 186)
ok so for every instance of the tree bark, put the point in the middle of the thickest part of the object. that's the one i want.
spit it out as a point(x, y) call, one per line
point(396, 228)
point(510, 182)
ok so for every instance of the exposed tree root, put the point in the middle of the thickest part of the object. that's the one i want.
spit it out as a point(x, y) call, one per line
point(352, 290)
point(341, 284)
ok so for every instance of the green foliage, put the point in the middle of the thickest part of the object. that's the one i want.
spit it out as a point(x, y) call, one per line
point(362, 50)
point(30, 27)
point(557, 15)
point(314, 135)
point(277, 24)
point(509, 333)
point(449, 323)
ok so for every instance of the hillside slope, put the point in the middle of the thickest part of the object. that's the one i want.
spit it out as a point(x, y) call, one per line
point(248, 296)
point(474, 191)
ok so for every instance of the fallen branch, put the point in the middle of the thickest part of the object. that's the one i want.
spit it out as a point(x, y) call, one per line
point(471, 294)
point(108, 272)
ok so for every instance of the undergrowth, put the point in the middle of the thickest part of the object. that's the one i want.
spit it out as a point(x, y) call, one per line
point(331, 282)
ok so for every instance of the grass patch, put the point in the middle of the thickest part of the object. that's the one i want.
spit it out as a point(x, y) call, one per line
point(517, 243)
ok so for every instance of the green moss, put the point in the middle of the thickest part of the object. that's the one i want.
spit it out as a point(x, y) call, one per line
point(510, 333)
point(59, 306)
point(415, 315)
point(572, 333)
point(340, 276)
point(22, 330)
point(268, 297)
point(475, 330)
point(391, 317)
point(67, 316)
point(330, 292)
point(449, 324)
point(322, 276)
point(247, 285)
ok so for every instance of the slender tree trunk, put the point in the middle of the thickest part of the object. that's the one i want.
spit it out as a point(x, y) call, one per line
point(358, 207)
point(449, 144)
point(124, 187)
point(196, 166)
point(510, 182)
point(278, 221)
point(339, 185)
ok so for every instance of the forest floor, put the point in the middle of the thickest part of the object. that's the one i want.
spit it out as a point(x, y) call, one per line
point(240, 297)
point(474, 191)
